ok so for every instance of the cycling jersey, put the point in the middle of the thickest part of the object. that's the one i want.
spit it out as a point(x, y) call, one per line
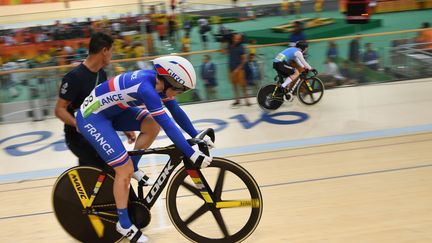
point(292, 54)
point(116, 105)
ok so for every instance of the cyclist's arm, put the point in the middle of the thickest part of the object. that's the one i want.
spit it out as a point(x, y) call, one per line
point(180, 116)
point(301, 61)
point(152, 101)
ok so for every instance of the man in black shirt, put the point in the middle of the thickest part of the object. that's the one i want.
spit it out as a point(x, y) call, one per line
point(76, 86)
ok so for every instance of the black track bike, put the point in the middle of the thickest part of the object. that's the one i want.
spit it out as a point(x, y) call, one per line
point(308, 88)
point(221, 203)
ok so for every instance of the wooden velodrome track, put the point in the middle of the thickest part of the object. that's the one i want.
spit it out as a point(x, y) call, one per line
point(372, 186)
point(375, 190)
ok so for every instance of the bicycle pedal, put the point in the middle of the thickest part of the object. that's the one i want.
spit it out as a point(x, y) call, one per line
point(289, 97)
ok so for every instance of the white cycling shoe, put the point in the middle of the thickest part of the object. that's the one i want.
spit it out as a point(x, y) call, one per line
point(140, 176)
point(132, 233)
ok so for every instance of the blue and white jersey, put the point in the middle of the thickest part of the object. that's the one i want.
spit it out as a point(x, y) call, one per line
point(118, 102)
point(292, 54)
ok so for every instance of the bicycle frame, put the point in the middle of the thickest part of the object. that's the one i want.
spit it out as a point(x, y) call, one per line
point(296, 83)
point(176, 157)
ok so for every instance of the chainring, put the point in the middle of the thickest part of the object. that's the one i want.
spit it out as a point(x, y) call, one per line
point(139, 214)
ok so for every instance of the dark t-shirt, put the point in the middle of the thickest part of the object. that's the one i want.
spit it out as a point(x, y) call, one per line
point(235, 55)
point(76, 86)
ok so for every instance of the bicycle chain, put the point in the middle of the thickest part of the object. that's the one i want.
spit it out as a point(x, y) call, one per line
point(104, 205)
point(101, 217)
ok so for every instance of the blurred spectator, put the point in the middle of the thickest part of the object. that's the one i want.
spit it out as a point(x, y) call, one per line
point(42, 58)
point(297, 33)
point(332, 77)
point(237, 60)
point(332, 50)
point(137, 49)
point(297, 8)
point(187, 26)
point(9, 40)
point(370, 57)
point(118, 47)
point(285, 7)
point(354, 50)
point(253, 73)
point(251, 47)
point(208, 74)
point(318, 7)
point(173, 6)
point(161, 29)
point(250, 12)
point(204, 27)
point(425, 37)
point(69, 53)
point(223, 36)
point(234, 3)
point(127, 50)
point(58, 31)
point(185, 43)
point(76, 30)
point(116, 27)
point(172, 29)
point(81, 51)
point(149, 36)
point(41, 37)
point(12, 83)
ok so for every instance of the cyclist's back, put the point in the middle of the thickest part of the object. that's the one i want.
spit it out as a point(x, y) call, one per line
point(292, 54)
point(130, 89)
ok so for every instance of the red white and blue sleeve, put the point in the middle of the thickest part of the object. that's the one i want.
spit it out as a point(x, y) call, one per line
point(152, 101)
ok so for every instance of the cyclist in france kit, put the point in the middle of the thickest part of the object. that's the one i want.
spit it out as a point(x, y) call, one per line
point(115, 106)
point(282, 60)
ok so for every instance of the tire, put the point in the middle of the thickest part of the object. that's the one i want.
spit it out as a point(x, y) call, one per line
point(236, 183)
point(265, 99)
point(310, 91)
point(68, 208)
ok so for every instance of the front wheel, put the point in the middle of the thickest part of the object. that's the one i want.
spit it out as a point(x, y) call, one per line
point(228, 212)
point(310, 90)
point(269, 97)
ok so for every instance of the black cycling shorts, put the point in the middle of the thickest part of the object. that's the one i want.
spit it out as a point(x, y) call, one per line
point(283, 69)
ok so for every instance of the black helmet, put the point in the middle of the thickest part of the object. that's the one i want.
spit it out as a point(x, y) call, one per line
point(302, 45)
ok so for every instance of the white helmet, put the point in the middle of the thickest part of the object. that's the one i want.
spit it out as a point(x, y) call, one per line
point(178, 71)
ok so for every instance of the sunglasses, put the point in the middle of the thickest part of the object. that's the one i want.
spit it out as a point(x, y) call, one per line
point(176, 88)
point(179, 89)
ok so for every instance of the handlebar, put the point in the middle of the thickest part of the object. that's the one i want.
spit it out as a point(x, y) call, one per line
point(304, 74)
point(198, 140)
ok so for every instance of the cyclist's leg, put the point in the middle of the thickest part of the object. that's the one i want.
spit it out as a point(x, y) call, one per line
point(286, 71)
point(294, 77)
point(137, 119)
point(99, 131)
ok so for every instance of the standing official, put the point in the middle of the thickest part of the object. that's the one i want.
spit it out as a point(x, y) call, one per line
point(76, 86)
